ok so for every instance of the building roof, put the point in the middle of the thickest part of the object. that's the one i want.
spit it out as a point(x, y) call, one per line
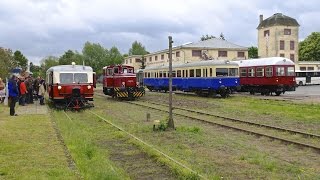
point(278, 19)
point(214, 43)
point(265, 62)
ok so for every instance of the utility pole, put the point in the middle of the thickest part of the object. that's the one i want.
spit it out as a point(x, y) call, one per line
point(170, 122)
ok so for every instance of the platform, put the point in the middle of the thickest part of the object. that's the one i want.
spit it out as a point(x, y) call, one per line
point(35, 108)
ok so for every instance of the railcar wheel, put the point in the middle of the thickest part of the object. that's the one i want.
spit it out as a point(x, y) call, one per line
point(252, 92)
point(300, 83)
point(278, 93)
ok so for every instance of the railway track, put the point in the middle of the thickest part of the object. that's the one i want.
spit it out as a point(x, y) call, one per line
point(239, 128)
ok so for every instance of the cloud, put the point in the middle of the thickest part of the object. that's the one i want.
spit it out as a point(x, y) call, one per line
point(41, 28)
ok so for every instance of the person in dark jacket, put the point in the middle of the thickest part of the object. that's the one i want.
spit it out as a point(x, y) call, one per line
point(13, 94)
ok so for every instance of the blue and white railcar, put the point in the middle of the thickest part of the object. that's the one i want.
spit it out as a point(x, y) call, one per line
point(204, 78)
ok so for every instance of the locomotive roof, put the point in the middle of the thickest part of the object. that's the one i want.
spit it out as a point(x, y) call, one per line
point(194, 64)
point(71, 68)
point(265, 62)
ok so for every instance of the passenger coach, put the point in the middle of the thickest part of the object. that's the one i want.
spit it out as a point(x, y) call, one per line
point(205, 78)
point(71, 86)
point(267, 75)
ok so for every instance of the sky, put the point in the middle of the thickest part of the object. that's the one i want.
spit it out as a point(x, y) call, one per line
point(40, 28)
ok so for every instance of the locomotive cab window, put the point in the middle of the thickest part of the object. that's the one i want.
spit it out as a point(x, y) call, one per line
point(243, 72)
point(115, 70)
point(130, 70)
point(80, 77)
point(233, 71)
point(221, 71)
point(280, 71)
point(109, 71)
point(268, 71)
point(290, 71)
point(260, 71)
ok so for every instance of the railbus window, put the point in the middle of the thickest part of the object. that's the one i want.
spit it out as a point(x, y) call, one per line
point(210, 72)
point(80, 77)
point(243, 72)
point(290, 71)
point(268, 71)
point(183, 73)
point(160, 73)
point(186, 73)
point(280, 71)
point(178, 73)
point(233, 71)
point(173, 73)
point(145, 74)
point(149, 74)
point(66, 78)
point(221, 71)
point(191, 72)
point(164, 74)
point(260, 71)
point(206, 70)
point(250, 72)
point(198, 72)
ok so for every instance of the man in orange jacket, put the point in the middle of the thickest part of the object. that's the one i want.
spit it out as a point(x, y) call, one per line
point(23, 92)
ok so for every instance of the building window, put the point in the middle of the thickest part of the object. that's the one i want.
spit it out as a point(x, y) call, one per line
point(281, 55)
point(222, 54)
point(196, 53)
point(266, 33)
point(127, 61)
point(292, 57)
point(156, 58)
point(130, 60)
point(291, 45)
point(240, 54)
point(310, 68)
point(162, 56)
point(178, 54)
point(302, 68)
point(281, 45)
point(287, 31)
point(150, 59)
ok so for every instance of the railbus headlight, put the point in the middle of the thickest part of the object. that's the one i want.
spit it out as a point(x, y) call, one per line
point(59, 87)
point(89, 87)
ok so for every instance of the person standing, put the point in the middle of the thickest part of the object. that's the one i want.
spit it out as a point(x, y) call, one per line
point(41, 92)
point(23, 92)
point(30, 90)
point(2, 91)
point(13, 94)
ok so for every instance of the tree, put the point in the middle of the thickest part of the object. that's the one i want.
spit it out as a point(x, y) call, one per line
point(206, 37)
point(7, 62)
point(309, 49)
point(46, 63)
point(253, 52)
point(20, 59)
point(114, 56)
point(69, 56)
point(222, 36)
point(95, 56)
point(137, 49)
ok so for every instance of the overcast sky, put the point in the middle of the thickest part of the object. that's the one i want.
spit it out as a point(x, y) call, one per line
point(40, 28)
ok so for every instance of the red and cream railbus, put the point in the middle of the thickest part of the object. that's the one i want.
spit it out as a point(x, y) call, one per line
point(71, 86)
point(267, 75)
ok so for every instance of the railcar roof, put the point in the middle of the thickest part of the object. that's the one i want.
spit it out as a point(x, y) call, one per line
point(111, 66)
point(265, 62)
point(70, 68)
point(195, 64)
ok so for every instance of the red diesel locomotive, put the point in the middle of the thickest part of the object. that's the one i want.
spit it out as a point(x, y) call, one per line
point(120, 81)
point(71, 86)
point(267, 75)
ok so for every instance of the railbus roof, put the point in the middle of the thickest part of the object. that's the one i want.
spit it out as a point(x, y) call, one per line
point(70, 68)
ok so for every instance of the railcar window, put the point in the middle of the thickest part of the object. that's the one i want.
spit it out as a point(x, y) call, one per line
point(173, 73)
point(145, 74)
point(290, 71)
point(280, 71)
point(80, 77)
point(268, 71)
point(183, 74)
point(149, 74)
point(164, 74)
point(221, 71)
point(260, 71)
point(233, 71)
point(109, 71)
point(130, 70)
point(243, 72)
point(250, 72)
point(198, 72)
point(179, 73)
point(160, 73)
point(124, 70)
point(186, 73)
point(66, 78)
point(115, 70)
point(210, 72)
point(191, 72)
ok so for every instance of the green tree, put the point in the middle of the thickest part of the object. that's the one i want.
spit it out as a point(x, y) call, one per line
point(114, 56)
point(253, 52)
point(7, 62)
point(309, 49)
point(20, 59)
point(95, 56)
point(46, 63)
point(69, 56)
point(36, 70)
point(206, 37)
point(137, 49)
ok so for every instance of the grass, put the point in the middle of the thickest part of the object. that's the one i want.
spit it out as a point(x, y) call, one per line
point(29, 148)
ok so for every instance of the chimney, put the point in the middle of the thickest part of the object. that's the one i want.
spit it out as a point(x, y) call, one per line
point(261, 18)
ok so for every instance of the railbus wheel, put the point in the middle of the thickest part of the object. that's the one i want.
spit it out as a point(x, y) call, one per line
point(278, 93)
